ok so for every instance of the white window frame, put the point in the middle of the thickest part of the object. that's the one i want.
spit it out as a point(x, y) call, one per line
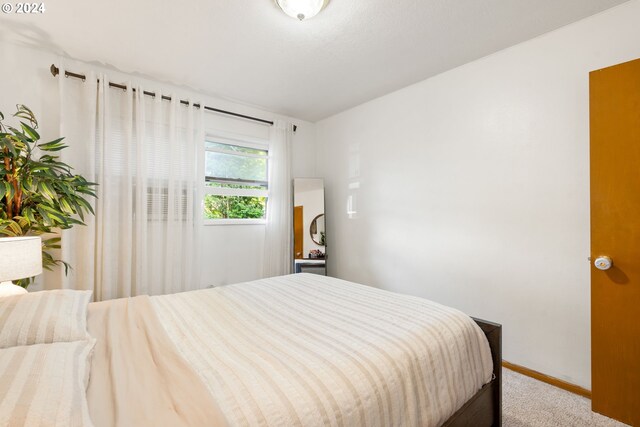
point(241, 141)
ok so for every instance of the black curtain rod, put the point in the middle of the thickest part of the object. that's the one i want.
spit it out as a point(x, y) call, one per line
point(55, 71)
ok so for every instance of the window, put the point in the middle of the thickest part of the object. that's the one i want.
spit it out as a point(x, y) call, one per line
point(235, 181)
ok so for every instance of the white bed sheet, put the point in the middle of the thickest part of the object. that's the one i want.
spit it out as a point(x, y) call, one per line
point(308, 350)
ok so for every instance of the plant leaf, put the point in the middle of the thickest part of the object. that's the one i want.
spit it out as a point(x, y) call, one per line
point(30, 131)
point(8, 190)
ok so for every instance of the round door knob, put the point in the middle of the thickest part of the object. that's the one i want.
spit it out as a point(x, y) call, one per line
point(603, 263)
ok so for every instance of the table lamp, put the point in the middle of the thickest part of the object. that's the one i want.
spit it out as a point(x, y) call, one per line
point(20, 257)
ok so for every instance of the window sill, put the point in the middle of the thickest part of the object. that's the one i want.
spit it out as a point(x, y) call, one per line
point(235, 222)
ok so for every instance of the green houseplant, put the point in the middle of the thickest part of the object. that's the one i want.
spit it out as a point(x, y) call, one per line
point(38, 193)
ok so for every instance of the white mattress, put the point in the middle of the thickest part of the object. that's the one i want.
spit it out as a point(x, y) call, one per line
point(308, 350)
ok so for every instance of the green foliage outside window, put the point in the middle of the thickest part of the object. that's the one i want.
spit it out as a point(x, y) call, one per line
point(222, 207)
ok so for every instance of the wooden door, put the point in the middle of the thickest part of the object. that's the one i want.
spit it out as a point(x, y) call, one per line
point(298, 236)
point(615, 232)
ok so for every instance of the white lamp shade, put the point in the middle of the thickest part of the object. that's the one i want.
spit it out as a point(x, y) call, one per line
point(301, 9)
point(20, 257)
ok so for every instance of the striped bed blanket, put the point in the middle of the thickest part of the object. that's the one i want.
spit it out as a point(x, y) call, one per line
point(308, 350)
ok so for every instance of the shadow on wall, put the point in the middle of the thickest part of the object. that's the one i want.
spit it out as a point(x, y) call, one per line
point(25, 34)
point(28, 35)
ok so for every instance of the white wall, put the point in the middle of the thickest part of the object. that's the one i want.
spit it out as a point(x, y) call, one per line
point(472, 189)
point(233, 253)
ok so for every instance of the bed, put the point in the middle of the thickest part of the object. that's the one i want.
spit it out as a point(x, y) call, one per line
point(302, 350)
point(297, 350)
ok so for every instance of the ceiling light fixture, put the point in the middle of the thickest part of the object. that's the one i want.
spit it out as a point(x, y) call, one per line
point(302, 9)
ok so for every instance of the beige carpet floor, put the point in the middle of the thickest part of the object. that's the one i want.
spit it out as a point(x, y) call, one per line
point(532, 403)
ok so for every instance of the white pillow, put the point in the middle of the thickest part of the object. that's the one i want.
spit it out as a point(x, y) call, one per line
point(44, 317)
point(44, 385)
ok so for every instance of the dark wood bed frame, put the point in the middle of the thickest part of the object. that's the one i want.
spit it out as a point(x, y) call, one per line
point(484, 409)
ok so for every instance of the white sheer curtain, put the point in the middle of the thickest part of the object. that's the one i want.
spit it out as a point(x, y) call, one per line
point(143, 154)
point(279, 229)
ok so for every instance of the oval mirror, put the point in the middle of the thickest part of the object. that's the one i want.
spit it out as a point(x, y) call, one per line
point(316, 229)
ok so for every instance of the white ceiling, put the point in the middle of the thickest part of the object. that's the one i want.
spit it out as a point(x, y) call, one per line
point(248, 50)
